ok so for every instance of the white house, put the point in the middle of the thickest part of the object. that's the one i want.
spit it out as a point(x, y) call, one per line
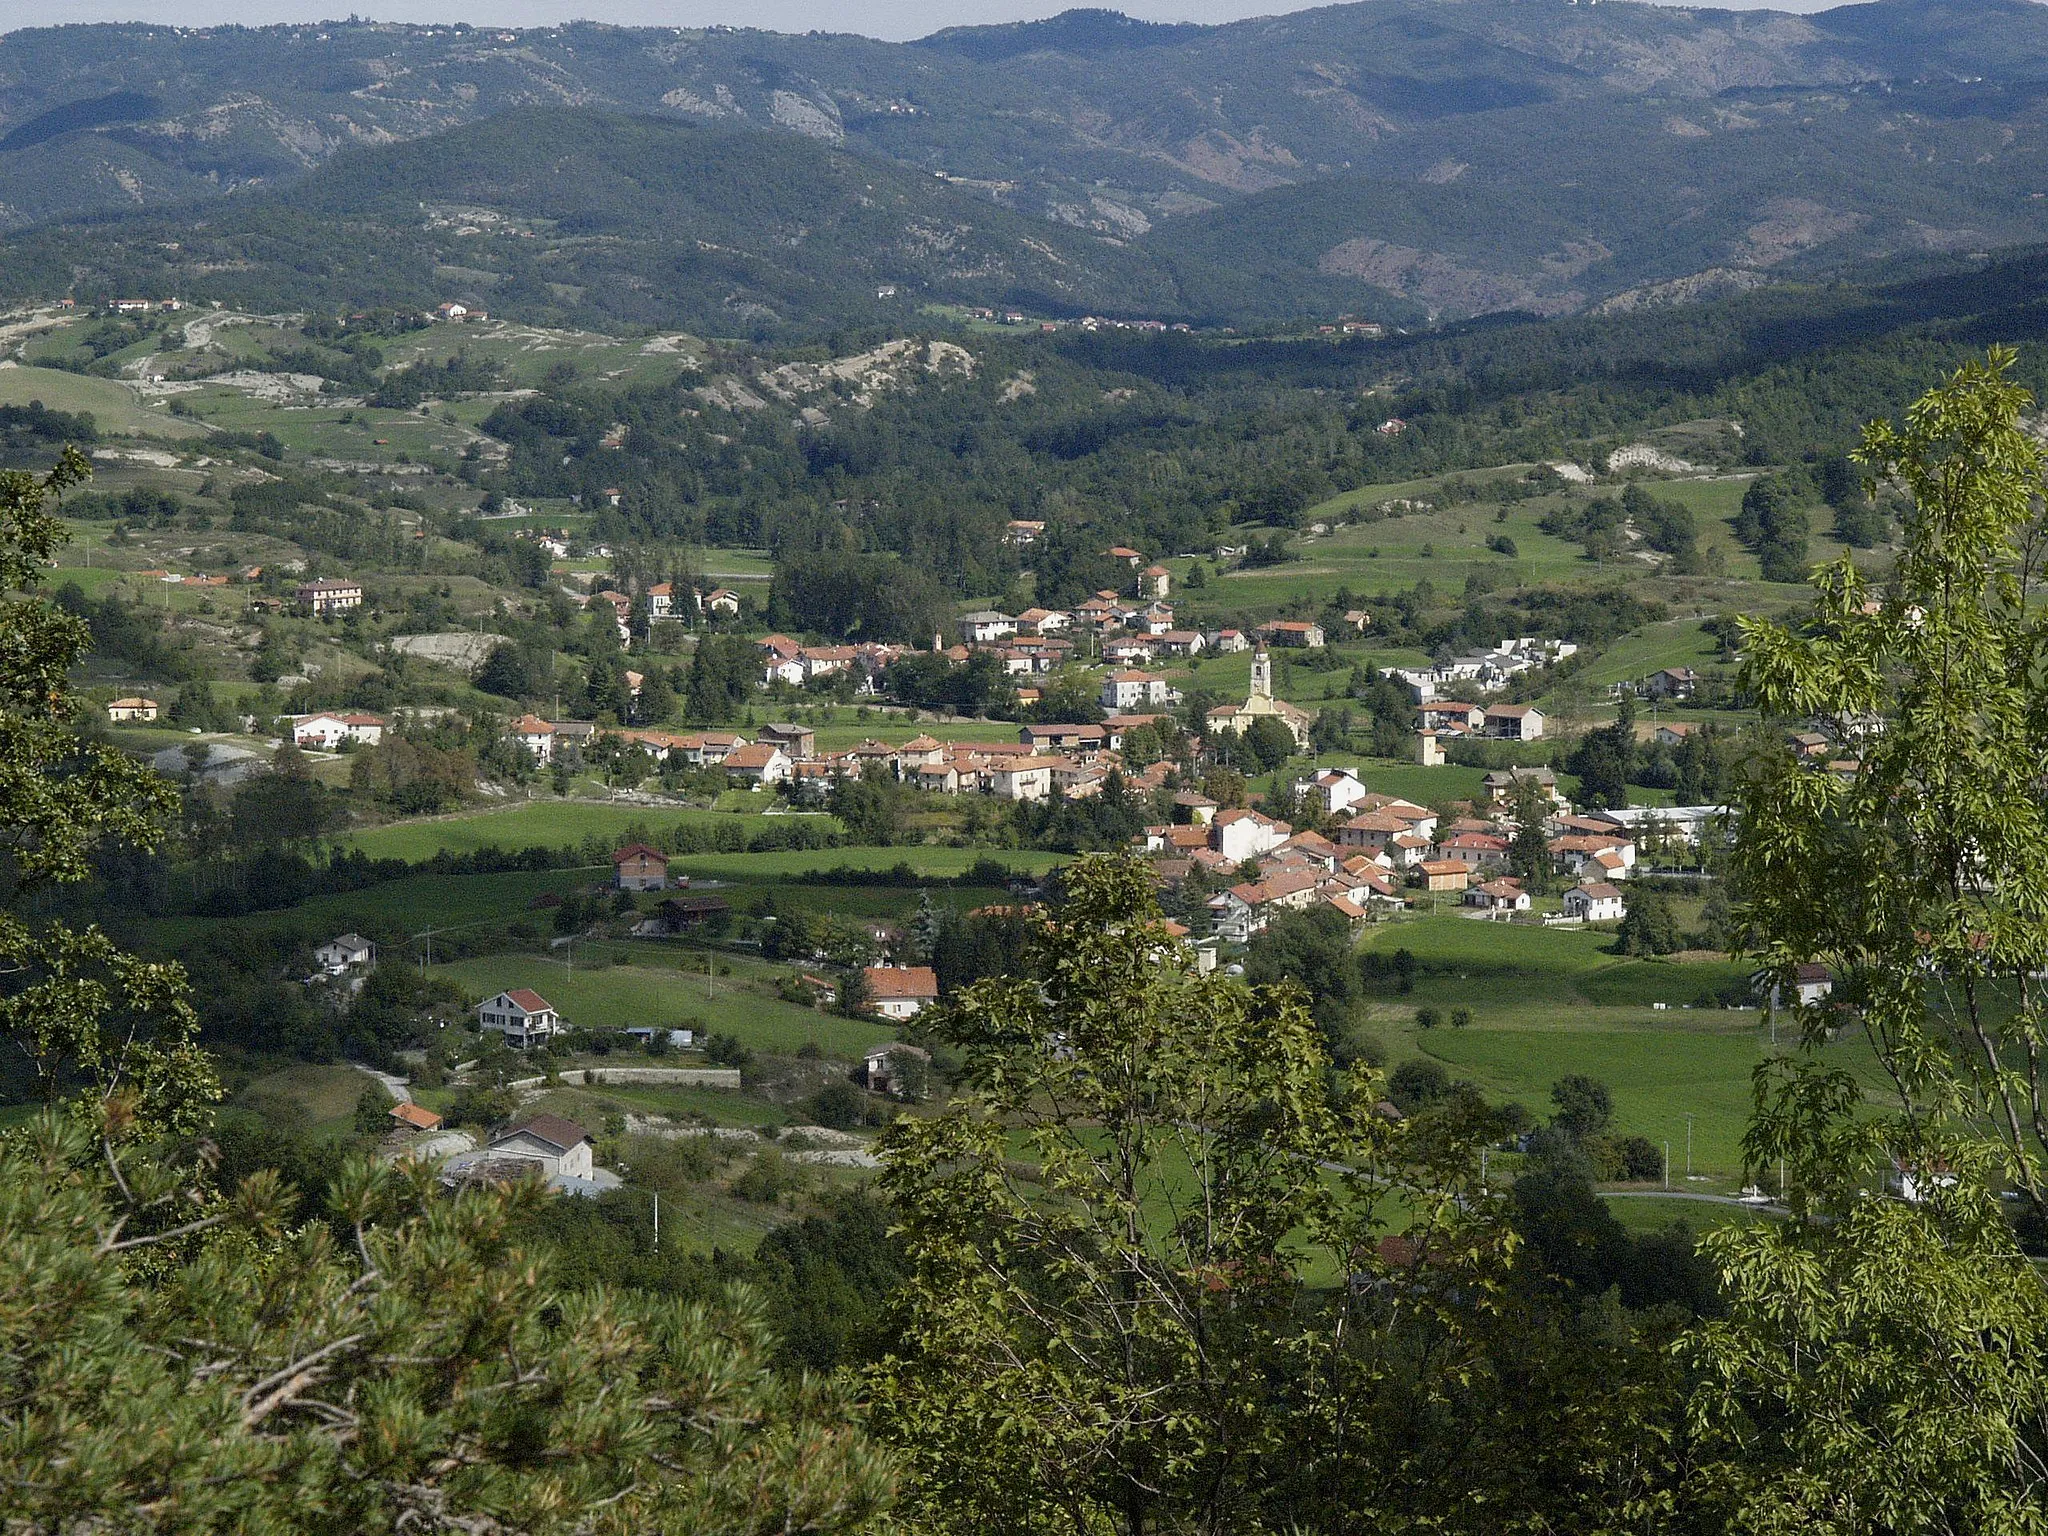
point(328, 731)
point(901, 991)
point(1023, 778)
point(345, 953)
point(1334, 790)
point(1241, 835)
point(1130, 689)
point(986, 626)
point(536, 735)
point(523, 1017)
point(127, 711)
point(1514, 722)
point(1499, 896)
point(1596, 903)
point(334, 595)
point(763, 765)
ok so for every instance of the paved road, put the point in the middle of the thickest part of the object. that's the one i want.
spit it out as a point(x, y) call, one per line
point(1770, 1206)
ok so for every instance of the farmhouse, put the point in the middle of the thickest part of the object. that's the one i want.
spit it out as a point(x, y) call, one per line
point(415, 1117)
point(523, 1017)
point(328, 731)
point(126, 711)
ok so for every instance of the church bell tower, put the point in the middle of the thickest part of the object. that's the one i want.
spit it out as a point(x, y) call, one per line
point(1262, 674)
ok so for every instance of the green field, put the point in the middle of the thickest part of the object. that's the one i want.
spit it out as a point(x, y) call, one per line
point(545, 823)
point(114, 406)
point(656, 994)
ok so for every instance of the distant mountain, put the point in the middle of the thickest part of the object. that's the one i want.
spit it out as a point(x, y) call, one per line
point(599, 219)
point(1408, 156)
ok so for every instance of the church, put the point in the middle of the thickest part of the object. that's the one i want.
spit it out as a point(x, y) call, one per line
point(1261, 705)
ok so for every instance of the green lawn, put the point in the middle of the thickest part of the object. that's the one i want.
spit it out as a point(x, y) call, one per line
point(656, 994)
point(546, 823)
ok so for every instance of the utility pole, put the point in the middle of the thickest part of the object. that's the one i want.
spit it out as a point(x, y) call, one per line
point(657, 1221)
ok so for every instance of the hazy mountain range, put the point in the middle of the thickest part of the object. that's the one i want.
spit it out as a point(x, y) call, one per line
point(1401, 156)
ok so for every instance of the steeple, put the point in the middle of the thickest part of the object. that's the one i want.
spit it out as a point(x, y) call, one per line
point(1262, 674)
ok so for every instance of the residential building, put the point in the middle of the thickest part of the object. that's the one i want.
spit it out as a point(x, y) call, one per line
point(1297, 634)
point(1023, 778)
point(1811, 983)
point(328, 731)
point(1155, 581)
point(799, 741)
point(723, 602)
point(1498, 896)
point(1476, 850)
point(1672, 683)
point(1595, 903)
point(1514, 722)
point(1240, 835)
point(1128, 689)
point(637, 867)
point(132, 710)
point(1333, 791)
point(1247, 909)
point(661, 601)
point(536, 735)
point(1674, 733)
point(344, 954)
point(560, 1147)
point(1064, 738)
point(332, 596)
point(763, 765)
point(895, 1068)
point(523, 1017)
point(985, 627)
point(1125, 553)
point(1501, 785)
point(901, 991)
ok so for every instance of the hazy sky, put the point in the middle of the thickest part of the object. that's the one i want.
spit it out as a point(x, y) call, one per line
point(894, 19)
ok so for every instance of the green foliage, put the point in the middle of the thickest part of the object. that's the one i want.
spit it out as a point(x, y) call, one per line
point(285, 1380)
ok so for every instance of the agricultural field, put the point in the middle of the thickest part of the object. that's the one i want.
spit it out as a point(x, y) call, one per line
point(659, 991)
point(114, 406)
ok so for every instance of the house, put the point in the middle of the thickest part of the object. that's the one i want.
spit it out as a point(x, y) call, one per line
point(1247, 909)
point(328, 731)
point(1127, 689)
point(896, 1069)
point(1229, 641)
point(1023, 778)
point(560, 1147)
point(1675, 734)
point(1429, 749)
point(1125, 553)
point(722, 601)
point(1444, 874)
point(1514, 722)
point(324, 598)
point(1498, 896)
point(1811, 984)
point(1297, 634)
point(523, 1017)
point(798, 741)
point(1476, 850)
point(1501, 785)
point(345, 954)
point(1359, 620)
point(661, 600)
point(1155, 581)
point(1672, 683)
point(1179, 642)
point(123, 711)
point(1064, 738)
point(1596, 903)
point(1333, 790)
point(637, 867)
point(985, 626)
point(1241, 835)
point(1024, 532)
point(536, 735)
point(1197, 807)
point(1371, 831)
point(901, 991)
point(762, 765)
point(1451, 715)
point(415, 1117)
point(680, 914)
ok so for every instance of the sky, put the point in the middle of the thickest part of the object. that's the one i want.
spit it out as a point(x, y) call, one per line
point(894, 20)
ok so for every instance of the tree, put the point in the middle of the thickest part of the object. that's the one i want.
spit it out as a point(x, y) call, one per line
point(1267, 745)
point(1922, 880)
point(373, 1111)
point(507, 673)
point(1647, 926)
point(1585, 1106)
point(1102, 1351)
point(1529, 848)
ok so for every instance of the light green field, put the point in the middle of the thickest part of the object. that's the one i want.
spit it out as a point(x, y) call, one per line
point(319, 1100)
point(412, 904)
point(114, 407)
point(1678, 643)
point(547, 823)
point(659, 995)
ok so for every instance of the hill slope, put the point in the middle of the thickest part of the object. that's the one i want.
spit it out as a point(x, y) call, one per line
point(599, 219)
point(1460, 154)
